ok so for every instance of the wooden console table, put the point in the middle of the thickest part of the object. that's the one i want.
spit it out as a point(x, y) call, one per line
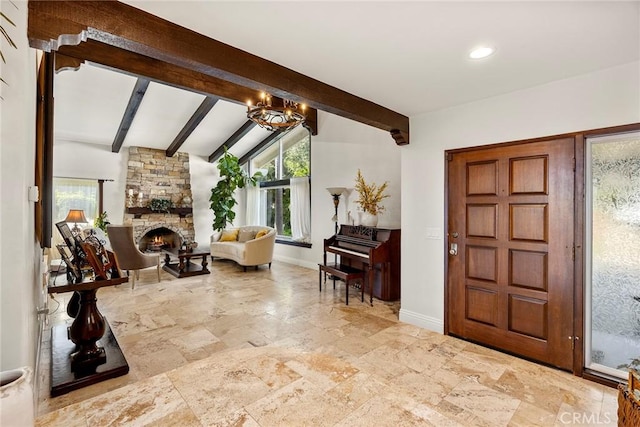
point(85, 352)
point(184, 267)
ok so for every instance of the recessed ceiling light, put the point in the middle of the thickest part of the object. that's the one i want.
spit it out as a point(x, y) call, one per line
point(481, 52)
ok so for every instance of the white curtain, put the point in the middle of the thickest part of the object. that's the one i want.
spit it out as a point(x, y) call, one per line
point(254, 206)
point(300, 209)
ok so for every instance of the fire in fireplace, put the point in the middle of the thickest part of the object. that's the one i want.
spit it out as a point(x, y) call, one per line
point(159, 238)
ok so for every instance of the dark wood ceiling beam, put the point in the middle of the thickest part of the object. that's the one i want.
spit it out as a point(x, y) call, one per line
point(237, 136)
point(191, 125)
point(64, 63)
point(130, 113)
point(56, 23)
point(260, 145)
point(136, 65)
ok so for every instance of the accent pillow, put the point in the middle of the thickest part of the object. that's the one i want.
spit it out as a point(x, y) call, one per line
point(216, 236)
point(261, 233)
point(245, 236)
point(229, 236)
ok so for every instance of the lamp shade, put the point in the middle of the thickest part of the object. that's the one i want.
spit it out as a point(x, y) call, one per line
point(336, 191)
point(76, 216)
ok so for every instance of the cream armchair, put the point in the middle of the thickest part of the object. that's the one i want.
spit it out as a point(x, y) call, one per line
point(245, 250)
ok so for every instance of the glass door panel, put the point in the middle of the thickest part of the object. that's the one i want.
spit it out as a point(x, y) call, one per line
point(613, 253)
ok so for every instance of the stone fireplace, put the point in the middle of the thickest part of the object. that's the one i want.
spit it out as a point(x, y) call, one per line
point(153, 175)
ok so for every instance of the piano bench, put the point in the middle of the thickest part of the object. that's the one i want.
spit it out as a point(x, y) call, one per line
point(343, 272)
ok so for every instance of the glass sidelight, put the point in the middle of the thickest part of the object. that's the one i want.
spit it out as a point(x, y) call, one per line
point(612, 253)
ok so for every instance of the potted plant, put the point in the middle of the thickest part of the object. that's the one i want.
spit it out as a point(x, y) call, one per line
point(102, 221)
point(232, 176)
point(370, 197)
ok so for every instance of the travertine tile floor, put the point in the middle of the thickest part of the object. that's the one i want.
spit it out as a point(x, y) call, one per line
point(265, 348)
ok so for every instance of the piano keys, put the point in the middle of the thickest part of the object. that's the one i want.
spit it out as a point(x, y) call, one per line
point(373, 250)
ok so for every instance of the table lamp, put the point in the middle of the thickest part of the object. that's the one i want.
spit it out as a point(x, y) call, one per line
point(76, 216)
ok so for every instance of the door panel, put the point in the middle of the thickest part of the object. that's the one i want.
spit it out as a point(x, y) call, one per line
point(510, 284)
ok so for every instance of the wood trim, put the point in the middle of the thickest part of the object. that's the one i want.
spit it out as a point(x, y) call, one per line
point(43, 174)
point(631, 127)
point(53, 24)
point(447, 158)
point(130, 113)
point(64, 63)
point(578, 274)
point(232, 140)
point(202, 111)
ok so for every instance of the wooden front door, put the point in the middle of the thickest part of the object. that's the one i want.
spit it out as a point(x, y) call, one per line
point(511, 270)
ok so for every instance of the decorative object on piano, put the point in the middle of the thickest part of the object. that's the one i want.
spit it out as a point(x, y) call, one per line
point(76, 216)
point(336, 192)
point(222, 199)
point(370, 197)
point(160, 205)
point(276, 117)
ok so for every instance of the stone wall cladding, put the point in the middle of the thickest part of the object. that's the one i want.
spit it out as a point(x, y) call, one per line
point(159, 177)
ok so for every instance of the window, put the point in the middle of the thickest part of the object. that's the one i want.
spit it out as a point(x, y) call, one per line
point(282, 200)
point(73, 193)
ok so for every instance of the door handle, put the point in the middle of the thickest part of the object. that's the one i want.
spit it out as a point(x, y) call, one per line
point(453, 249)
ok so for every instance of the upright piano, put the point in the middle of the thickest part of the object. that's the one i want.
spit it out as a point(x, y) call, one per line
point(373, 250)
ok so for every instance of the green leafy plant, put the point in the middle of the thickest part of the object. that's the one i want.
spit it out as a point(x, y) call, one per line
point(160, 205)
point(102, 221)
point(222, 199)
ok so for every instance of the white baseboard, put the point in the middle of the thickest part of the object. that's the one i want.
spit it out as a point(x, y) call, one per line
point(417, 319)
point(295, 261)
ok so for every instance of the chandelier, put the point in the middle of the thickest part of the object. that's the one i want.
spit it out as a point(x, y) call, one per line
point(276, 118)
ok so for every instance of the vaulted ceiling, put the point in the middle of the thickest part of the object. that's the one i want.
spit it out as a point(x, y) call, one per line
point(410, 57)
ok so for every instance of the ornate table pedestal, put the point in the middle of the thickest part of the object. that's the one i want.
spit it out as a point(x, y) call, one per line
point(85, 352)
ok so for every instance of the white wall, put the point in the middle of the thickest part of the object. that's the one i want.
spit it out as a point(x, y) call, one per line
point(21, 287)
point(94, 161)
point(341, 147)
point(204, 176)
point(601, 99)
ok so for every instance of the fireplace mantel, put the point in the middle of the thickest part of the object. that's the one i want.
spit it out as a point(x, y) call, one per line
point(138, 212)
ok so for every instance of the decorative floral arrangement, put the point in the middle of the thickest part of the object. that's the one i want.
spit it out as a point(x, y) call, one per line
point(370, 195)
point(160, 205)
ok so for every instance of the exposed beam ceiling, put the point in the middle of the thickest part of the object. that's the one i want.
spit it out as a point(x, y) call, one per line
point(191, 125)
point(130, 113)
point(233, 139)
point(53, 24)
point(259, 146)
